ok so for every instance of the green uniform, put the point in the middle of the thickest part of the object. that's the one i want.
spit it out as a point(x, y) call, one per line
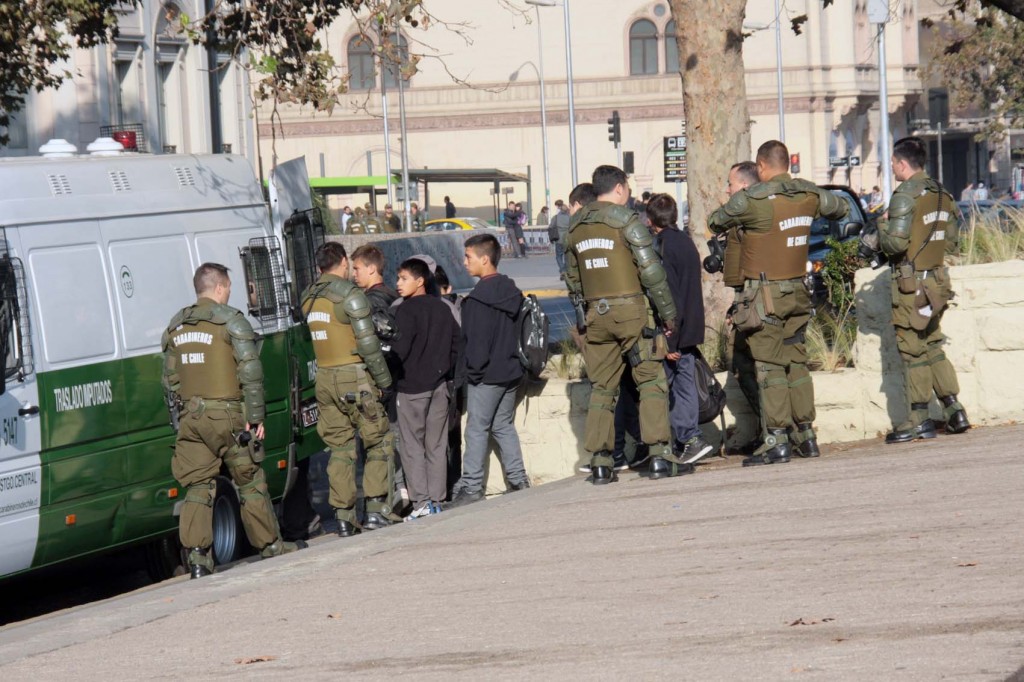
point(611, 264)
point(212, 366)
point(741, 362)
point(775, 218)
point(350, 371)
point(922, 226)
point(356, 225)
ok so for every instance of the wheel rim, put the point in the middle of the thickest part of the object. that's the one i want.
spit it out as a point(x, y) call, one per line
point(225, 529)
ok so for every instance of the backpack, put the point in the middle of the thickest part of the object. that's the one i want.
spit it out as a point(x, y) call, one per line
point(710, 394)
point(532, 336)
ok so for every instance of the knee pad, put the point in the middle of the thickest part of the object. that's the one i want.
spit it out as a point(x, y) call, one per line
point(603, 399)
point(201, 493)
point(769, 375)
point(656, 389)
point(256, 489)
point(802, 375)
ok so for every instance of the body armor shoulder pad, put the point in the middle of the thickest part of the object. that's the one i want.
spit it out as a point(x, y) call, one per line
point(178, 319)
point(336, 290)
point(760, 190)
point(795, 185)
point(637, 235)
point(355, 303)
point(738, 203)
point(618, 217)
point(225, 314)
point(237, 325)
point(915, 187)
point(902, 204)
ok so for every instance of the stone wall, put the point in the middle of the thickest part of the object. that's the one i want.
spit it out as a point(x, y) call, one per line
point(985, 330)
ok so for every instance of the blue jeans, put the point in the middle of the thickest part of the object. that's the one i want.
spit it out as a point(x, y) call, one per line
point(491, 413)
point(683, 410)
point(560, 256)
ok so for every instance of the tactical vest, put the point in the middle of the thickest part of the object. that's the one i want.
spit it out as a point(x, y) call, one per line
point(355, 226)
point(334, 343)
point(605, 262)
point(205, 359)
point(927, 212)
point(373, 225)
point(732, 276)
point(781, 252)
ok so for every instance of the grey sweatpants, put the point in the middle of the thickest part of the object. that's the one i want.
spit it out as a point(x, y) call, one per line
point(423, 423)
point(491, 413)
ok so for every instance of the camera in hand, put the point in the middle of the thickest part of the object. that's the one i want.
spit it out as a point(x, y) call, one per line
point(870, 249)
point(715, 262)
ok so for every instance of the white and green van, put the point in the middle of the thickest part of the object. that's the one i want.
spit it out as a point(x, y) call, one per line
point(96, 254)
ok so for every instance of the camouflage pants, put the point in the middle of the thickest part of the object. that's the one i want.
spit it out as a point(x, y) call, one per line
point(348, 401)
point(609, 338)
point(206, 439)
point(785, 389)
point(925, 365)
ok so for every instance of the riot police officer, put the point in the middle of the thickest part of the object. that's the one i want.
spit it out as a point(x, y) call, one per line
point(352, 378)
point(775, 217)
point(212, 371)
point(611, 264)
point(921, 228)
point(357, 223)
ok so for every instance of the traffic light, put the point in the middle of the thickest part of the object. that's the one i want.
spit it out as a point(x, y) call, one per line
point(614, 129)
point(794, 163)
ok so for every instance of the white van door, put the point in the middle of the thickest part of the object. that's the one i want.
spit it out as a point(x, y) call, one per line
point(289, 192)
point(21, 481)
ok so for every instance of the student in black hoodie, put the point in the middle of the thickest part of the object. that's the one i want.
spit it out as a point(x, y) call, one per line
point(493, 371)
point(682, 265)
point(427, 349)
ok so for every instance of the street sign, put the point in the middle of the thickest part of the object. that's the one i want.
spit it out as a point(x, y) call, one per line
point(674, 148)
point(878, 11)
point(400, 192)
point(839, 161)
point(854, 160)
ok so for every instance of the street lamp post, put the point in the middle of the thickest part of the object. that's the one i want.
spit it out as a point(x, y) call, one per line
point(543, 121)
point(569, 83)
point(778, 73)
point(878, 13)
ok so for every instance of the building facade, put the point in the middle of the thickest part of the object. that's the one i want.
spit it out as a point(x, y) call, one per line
point(151, 89)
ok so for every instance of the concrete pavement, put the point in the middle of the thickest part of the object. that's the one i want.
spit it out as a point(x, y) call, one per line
point(872, 562)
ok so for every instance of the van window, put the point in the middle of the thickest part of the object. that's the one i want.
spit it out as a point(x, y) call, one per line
point(222, 247)
point(153, 280)
point(73, 302)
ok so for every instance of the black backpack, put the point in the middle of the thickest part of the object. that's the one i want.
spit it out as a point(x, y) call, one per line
point(532, 336)
point(710, 394)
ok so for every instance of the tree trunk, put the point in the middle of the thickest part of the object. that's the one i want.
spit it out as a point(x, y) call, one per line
point(710, 40)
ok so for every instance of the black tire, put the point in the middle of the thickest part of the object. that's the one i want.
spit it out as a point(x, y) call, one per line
point(229, 540)
point(165, 558)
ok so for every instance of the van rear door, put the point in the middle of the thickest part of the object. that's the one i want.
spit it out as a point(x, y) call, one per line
point(21, 481)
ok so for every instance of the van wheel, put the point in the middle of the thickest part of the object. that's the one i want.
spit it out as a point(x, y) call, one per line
point(165, 558)
point(229, 541)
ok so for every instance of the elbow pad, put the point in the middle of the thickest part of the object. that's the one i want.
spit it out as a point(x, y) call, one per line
point(895, 233)
point(652, 273)
point(357, 308)
point(250, 369)
point(832, 206)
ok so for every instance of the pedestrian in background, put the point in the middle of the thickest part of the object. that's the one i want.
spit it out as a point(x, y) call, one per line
point(558, 230)
point(543, 216)
point(416, 217)
point(514, 231)
point(493, 371)
point(682, 267)
point(449, 208)
point(346, 215)
point(968, 192)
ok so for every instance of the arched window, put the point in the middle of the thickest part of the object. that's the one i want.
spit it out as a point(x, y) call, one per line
point(393, 69)
point(360, 64)
point(671, 48)
point(643, 48)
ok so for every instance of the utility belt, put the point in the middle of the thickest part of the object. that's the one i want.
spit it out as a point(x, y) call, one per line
point(907, 278)
point(603, 305)
point(196, 405)
point(754, 307)
point(354, 360)
point(931, 290)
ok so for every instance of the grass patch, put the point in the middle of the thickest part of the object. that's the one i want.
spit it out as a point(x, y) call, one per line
point(831, 337)
point(715, 348)
point(994, 236)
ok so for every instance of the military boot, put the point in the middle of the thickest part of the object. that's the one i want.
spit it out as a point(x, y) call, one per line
point(776, 449)
point(200, 563)
point(279, 547)
point(808, 445)
point(602, 474)
point(347, 525)
point(956, 417)
point(664, 464)
point(908, 432)
point(378, 514)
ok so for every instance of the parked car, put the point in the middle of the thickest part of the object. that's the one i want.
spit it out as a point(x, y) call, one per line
point(445, 224)
point(840, 230)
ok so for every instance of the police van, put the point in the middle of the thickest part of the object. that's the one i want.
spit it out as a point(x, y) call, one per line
point(97, 253)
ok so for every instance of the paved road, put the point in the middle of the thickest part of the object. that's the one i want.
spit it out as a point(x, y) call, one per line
point(869, 563)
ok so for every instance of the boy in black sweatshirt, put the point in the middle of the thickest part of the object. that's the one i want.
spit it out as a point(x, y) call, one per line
point(493, 370)
point(426, 347)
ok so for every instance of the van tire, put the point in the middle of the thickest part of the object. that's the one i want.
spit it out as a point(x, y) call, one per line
point(229, 539)
point(165, 558)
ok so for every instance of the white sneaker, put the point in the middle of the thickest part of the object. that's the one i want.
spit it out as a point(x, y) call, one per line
point(424, 509)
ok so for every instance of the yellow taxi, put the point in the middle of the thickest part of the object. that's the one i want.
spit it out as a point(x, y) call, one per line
point(446, 224)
